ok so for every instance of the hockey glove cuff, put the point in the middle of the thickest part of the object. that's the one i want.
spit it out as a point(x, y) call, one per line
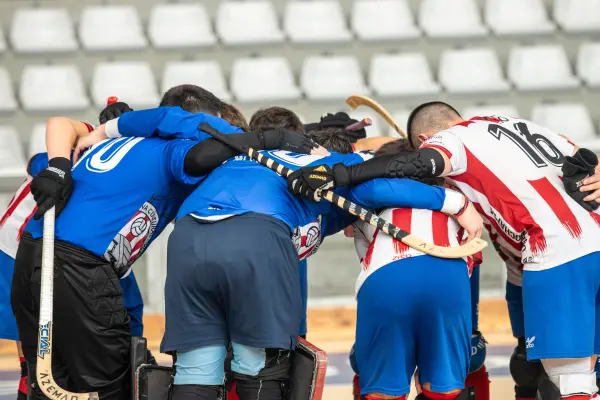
point(113, 111)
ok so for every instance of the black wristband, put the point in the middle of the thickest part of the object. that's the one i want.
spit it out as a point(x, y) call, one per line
point(62, 163)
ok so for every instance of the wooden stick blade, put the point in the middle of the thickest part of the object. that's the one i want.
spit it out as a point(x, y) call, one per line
point(357, 100)
point(465, 250)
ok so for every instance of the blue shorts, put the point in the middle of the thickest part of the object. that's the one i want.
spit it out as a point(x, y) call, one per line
point(562, 309)
point(414, 312)
point(8, 327)
point(514, 301)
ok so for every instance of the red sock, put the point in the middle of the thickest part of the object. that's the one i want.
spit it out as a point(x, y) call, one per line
point(367, 397)
point(519, 398)
point(356, 387)
point(440, 396)
point(481, 381)
point(578, 397)
point(232, 394)
point(23, 381)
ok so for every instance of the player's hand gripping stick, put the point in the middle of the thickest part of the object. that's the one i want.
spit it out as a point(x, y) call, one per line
point(470, 248)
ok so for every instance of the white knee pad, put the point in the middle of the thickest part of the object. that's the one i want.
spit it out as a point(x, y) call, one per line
point(572, 375)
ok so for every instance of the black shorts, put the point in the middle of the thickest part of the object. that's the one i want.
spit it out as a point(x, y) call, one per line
point(91, 333)
point(231, 280)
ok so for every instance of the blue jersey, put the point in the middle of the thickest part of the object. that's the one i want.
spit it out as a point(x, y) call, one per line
point(241, 185)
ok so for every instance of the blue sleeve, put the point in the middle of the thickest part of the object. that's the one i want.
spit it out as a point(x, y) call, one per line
point(336, 220)
point(132, 299)
point(177, 150)
point(398, 193)
point(37, 163)
point(170, 122)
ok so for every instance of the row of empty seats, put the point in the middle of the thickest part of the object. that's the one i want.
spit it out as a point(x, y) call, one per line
point(572, 119)
point(184, 25)
point(476, 70)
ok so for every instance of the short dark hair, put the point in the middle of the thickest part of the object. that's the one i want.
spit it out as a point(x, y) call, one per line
point(428, 117)
point(234, 116)
point(275, 117)
point(193, 99)
point(400, 146)
point(333, 139)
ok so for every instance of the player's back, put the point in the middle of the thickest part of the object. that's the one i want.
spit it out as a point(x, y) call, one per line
point(125, 192)
point(511, 169)
point(376, 249)
point(242, 185)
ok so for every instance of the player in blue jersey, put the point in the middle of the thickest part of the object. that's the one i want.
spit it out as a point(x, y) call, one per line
point(231, 243)
point(126, 191)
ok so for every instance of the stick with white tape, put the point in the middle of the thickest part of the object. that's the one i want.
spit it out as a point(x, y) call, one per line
point(44, 361)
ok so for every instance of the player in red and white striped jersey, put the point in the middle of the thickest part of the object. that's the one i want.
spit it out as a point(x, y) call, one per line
point(511, 169)
point(413, 309)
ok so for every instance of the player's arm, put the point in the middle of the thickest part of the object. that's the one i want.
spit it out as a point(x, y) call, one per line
point(52, 187)
point(371, 143)
point(167, 123)
point(209, 154)
point(62, 135)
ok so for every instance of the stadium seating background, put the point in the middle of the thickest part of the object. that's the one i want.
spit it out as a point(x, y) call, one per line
point(539, 84)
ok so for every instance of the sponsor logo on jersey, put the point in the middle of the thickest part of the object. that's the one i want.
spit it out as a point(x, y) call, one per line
point(307, 238)
point(517, 237)
point(133, 238)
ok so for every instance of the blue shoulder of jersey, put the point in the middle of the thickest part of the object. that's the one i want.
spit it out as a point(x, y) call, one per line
point(37, 163)
point(168, 123)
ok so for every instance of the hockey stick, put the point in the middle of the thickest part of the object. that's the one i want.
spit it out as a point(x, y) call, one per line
point(470, 248)
point(44, 362)
point(357, 100)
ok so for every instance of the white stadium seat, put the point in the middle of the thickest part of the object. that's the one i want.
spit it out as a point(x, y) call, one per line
point(517, 17)
point(207, 74)
point(492, 109)
point(332, 78)
point(475, 70)
point(577, 15)
point(374, 20)
point(376, 129)
point(405, 74)
point(12, 161)
point(42, 30)
point(180, 25)
point(52, 87)
point(111, 28)
point(8, 102)
point(248, 22)
point(132, 82)
point(588, 64)
point(540, 67)
point(263, 79)
point(37, 140)
point(570, 119)
point(318, 21)
point(455, 18)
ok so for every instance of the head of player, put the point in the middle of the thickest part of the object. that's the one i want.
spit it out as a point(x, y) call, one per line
point(333, 139)
point(193, 99)
point(231, 114)
point(430, 118)
point(275, 118)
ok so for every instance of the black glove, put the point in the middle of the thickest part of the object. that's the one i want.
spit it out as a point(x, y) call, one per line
point(575, 169)
point(115, 110)
point(52, 187)
point(287, 140)
point(308, 182)
point(339, 120)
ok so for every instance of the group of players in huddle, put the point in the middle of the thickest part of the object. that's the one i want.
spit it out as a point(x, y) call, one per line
point(236, 264)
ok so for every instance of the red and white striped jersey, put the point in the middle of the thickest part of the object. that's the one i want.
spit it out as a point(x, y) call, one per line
point(20, 210)
point(510, 169)
point(510, 256)
point(376, 249)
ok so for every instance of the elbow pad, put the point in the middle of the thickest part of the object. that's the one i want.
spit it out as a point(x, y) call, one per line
point(421, 164)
